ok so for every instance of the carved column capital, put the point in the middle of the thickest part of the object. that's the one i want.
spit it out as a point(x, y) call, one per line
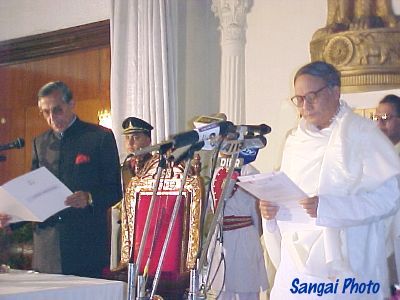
point(232, 16)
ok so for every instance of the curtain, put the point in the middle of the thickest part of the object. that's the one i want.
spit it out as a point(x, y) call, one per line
point(144, 65)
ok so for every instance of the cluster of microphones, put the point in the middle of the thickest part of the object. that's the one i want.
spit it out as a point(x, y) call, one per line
point(202, 137)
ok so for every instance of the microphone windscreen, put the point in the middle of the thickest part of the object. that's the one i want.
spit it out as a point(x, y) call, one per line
point(220, 116)
point(185, 138)
point(248, 155)
point(19, 143)
point(264, 129)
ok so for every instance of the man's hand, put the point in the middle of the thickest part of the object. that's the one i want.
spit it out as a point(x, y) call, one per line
point(4, 219)
point(310, 205)
point(78, 199)
point(268, 209)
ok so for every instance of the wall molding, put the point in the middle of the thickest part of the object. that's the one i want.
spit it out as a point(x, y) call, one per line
point(92, 35)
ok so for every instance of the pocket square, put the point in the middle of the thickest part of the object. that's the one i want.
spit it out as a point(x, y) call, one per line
point(82, 159)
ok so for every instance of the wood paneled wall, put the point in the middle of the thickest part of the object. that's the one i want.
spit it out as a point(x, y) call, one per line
point(86, 70)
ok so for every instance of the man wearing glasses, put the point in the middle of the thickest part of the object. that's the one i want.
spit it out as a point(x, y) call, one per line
point(84, 157)
point(387, 116)
point(349, 171)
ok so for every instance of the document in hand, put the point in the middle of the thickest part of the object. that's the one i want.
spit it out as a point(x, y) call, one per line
point(278, 188)
point(34, 196)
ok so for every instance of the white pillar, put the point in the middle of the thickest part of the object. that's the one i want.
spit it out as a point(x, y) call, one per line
point(232, 17)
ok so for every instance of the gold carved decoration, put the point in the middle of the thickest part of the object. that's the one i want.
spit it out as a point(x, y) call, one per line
point(170, 183)
point(366, 112)
point(362, 40)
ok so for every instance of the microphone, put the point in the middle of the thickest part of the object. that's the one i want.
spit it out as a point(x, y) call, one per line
point(166, 145)
point(250, 148)
point(205, 120)
point(248, 155)
point(251, 129)
point(18, 143)
point(178, 155)
point(247, 148)
point(256, 142)
point(203, 133)
point(250, 142)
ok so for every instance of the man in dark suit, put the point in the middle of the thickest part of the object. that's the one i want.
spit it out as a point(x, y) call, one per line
point(84, 157)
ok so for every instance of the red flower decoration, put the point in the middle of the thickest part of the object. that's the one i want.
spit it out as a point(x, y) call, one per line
point(82, 159)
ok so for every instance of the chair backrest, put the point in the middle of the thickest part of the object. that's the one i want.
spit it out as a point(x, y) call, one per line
point(184, 243)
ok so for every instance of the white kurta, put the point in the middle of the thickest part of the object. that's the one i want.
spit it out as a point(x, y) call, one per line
point(393, 239)
point(353, 169)
point(242, 269)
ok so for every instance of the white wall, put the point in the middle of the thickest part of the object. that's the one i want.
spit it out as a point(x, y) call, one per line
point(278, 37)
point(20, 18)
point(199, 61)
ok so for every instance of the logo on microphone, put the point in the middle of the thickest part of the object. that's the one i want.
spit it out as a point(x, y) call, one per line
point(203, 123)
point(225, 162)
point(248, 155)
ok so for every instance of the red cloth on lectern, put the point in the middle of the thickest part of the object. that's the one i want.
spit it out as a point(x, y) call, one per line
point(161, 217)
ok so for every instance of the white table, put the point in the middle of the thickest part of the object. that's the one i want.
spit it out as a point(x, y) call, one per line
point(23, 285)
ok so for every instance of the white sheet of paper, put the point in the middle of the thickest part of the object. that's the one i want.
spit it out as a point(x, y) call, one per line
point(278, 188)
point(34, 196)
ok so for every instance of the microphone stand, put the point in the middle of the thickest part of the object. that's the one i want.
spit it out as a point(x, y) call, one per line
point(188, 156)
point(194, 292)
point(132, 266)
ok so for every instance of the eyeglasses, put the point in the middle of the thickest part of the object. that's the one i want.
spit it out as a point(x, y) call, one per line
point(383, 118)
point(55, 111)
point(310, 98)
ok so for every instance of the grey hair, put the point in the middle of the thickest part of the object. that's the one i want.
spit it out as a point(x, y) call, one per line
point(320, 69)
point(54, 86)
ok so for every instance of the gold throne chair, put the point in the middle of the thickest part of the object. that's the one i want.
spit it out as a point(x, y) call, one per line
point(184, 242)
